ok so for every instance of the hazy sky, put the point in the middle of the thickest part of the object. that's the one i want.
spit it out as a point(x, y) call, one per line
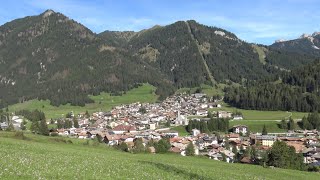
point(258, 21)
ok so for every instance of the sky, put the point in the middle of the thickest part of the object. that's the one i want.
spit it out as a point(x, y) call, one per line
point(255, 21)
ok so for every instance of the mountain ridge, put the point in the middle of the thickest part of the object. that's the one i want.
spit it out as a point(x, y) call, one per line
point(50, 56)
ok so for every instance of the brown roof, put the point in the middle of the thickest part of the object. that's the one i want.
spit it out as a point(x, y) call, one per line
point(233, 135)
point(298, 146)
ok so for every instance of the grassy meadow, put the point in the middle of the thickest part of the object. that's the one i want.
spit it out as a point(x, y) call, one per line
point(209, 90)
point(104, 102)
point(40, 157)
point(261, 115)
point(256, 126)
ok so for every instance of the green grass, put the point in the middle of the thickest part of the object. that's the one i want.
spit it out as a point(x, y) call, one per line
point(256, 126)
point(48, 158)
point(181, 129)
point(209, 90)
point(262, 115)
point(104, 102)
point(261, 53)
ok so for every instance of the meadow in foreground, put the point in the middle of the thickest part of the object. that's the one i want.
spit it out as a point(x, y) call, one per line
point(40, 157)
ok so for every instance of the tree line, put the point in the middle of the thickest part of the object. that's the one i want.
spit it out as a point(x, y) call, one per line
point(297, 90)
point(207, 126)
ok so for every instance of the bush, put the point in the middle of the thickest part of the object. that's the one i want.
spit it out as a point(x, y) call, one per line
point(19, 135)
point(54, 134)
point(123, 147)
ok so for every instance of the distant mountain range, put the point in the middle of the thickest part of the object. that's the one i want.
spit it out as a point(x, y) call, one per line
point(50, 56)
point(306, 44)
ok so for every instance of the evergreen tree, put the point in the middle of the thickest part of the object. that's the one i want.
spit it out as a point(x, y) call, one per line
point(99, 138)
point(43, 128)
point(284, 156)
point(87, 115)
point(190, 149)
point(75, 123)
point(283, 124)
point(291, 124)
point(34, 126)
point(162, 146)
point(138, 146)
point(123, 147)
point(264, 130)
point(226, 143)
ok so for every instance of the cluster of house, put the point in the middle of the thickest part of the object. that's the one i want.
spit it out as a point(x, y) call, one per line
point(16, 122)
point(150, 116)
point(144, 116)
point(212, 146)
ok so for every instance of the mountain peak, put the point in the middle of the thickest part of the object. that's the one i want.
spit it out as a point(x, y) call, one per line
point(304, 35)
point(315, 34)
point(48, 13)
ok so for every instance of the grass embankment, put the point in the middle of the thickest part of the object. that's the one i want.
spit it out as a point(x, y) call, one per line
point(104, 102)
point(181, 130)
point(48, 158)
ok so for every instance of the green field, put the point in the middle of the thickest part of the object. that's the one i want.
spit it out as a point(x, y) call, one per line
point(181, 130)
point(104, 102)
point(256, 126)
point(262, 115)
point(42, 157)
point(209, 90)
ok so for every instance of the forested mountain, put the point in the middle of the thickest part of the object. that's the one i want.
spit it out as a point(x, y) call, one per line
point(50, 56)
point(117, 38)
point(306, 44)
point(297, 90)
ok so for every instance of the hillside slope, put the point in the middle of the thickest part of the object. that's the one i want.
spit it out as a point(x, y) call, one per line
point(52, 57)
point(47, 158)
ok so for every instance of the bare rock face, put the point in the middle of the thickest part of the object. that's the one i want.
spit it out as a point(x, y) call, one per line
point(304, 36)
point(315, 34)
point(48, 13)
point(280, 40)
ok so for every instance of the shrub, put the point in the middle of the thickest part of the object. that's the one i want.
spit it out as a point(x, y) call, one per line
point(19, 135)
point(54, 134)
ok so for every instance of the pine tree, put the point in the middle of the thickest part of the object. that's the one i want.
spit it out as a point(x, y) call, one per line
point(291, 125)
point(34, 126)
point(43, 128)
point(190, 149)
point(162, 146)
point(283, 124)
point(264, 130)
point(138, 146)
point(75, 123)
point(123, 147)
point(87, 115)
